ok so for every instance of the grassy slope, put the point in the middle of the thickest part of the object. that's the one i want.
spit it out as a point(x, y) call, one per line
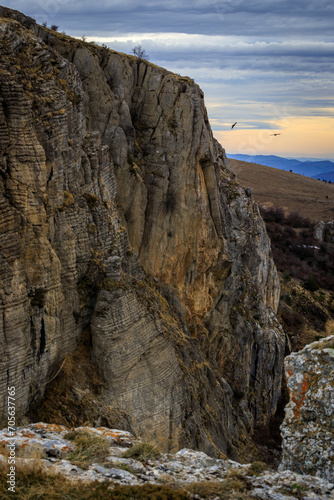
point(293, 192)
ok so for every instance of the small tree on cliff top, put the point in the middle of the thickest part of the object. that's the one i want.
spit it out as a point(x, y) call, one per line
point(140, 52)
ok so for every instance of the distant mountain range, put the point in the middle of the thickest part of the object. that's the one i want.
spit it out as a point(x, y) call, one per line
point(316, 168)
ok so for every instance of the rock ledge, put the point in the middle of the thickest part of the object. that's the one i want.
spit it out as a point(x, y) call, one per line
point(180, 469)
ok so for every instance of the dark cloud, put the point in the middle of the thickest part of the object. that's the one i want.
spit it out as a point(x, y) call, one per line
point(260, 60)
point(230, 17)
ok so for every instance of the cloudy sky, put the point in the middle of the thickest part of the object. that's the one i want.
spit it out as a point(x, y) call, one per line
point(267, 64)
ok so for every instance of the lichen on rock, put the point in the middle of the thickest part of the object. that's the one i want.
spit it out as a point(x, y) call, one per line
point(308, 427)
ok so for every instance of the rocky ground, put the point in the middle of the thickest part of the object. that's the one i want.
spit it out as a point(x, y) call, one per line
point(121, 459)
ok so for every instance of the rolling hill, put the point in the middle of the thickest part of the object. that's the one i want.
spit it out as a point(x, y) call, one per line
point(328, 176)
point(305, 315)
point(293, 192)
point(318, 169)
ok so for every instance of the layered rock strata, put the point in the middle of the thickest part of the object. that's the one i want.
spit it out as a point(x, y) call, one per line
point(308, 427)
point(121, 221)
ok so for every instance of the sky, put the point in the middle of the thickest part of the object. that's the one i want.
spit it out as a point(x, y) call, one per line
point(266, 64)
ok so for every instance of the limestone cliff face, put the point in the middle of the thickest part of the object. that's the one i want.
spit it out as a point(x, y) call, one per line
point(120, 217)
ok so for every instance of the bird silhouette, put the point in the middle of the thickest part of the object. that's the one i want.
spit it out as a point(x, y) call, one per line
point(275, 134)
point(234, 124)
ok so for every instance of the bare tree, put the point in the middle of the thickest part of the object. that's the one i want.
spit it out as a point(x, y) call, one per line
point(140, 52)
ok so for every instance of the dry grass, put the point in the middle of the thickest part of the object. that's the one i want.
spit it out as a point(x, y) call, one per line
point(234, 486)
point(293, 192)
point(329, 328)
point(256, 468)
point(142, 452)
point(60, 404)
point(88, 448)
point(33, 483)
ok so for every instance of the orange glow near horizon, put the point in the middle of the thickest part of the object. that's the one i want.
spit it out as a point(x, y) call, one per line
point(300, 136)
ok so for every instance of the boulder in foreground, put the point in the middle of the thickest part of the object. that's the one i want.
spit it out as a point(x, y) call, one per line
point(308, 427)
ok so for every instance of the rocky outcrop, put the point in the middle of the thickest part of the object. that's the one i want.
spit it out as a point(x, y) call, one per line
point(307, 430)
point(53, 449)
point(324, 231)
point(122, 224)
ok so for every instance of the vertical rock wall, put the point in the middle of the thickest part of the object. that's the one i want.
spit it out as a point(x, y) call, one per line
point(122, 218)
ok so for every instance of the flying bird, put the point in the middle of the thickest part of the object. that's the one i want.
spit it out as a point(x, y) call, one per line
point(275, 134)
point(234, 124)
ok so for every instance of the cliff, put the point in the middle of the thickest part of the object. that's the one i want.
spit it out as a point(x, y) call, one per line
point(124, 229)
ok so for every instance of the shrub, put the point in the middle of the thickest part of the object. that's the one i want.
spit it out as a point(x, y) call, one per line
point(234, 483)
point(311, 284)
point(89, 448)
point(289, 232)
point(287, 298)
point(294, 219)
point(296, 253)
point(299, 487)
point(142, 452)
point(272, 214)
point(276, 214)
point(292, 320)
point(256, 468)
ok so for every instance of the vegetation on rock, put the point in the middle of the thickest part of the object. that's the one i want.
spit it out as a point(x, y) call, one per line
point(88, 448)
